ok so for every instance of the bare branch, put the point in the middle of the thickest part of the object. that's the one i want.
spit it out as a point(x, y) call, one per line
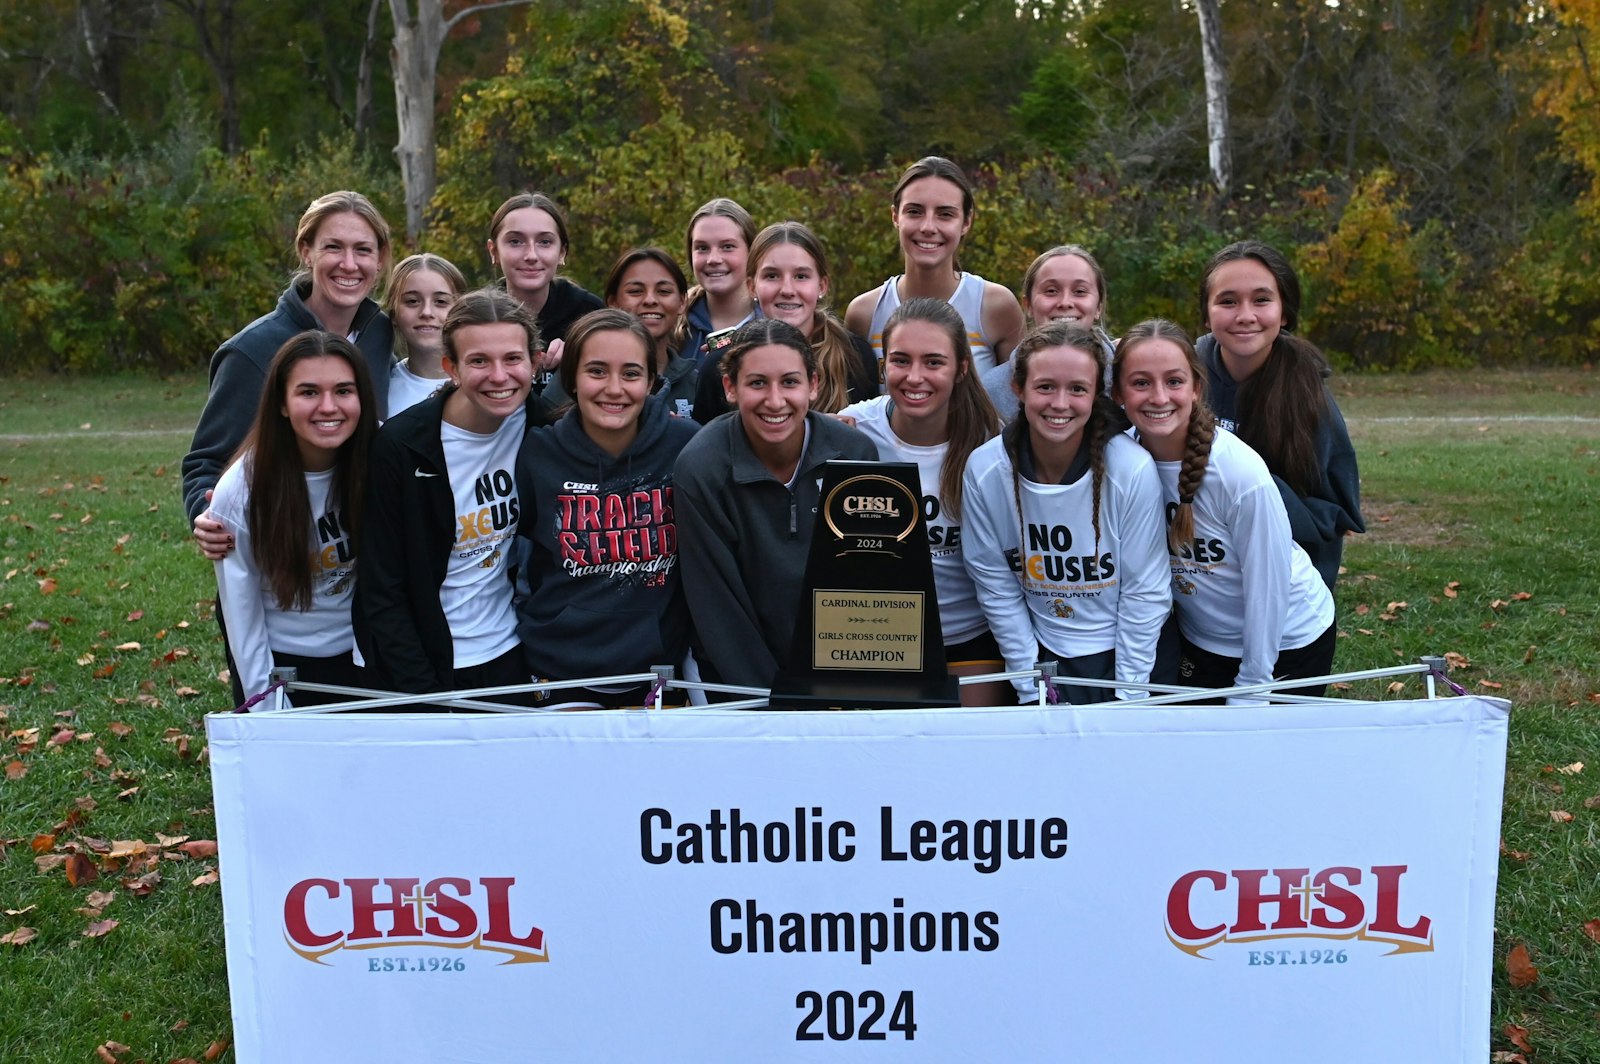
point(475, 9)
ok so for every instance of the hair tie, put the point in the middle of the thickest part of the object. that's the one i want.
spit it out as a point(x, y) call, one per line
point(1185, 500)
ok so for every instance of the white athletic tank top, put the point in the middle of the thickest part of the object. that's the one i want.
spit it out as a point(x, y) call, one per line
point(967, 301)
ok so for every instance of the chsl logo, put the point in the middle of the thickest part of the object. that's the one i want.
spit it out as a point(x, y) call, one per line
point(1207, 908)
point(323, 916)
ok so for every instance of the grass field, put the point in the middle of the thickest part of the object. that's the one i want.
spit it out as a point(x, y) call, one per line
point(1483, 542)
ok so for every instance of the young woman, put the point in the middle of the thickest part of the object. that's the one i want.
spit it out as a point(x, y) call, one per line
point(935, 415)
point(720, 235)
point(1063, 284)
point(433, 606)
point(342, 243)
point(1250, 605)
point(292, 500)
point(932, 212)
point(1267, 385)
point(789, 279)
point(599, 592)
point(528, 244)
point(747, 495)
point(421, 290)
point(1062, 525)
point(647, 283)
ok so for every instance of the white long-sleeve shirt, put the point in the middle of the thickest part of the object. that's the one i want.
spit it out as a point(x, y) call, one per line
point(1042, 579)
point(256, 625)
point(959, 612)
point(1244, 589)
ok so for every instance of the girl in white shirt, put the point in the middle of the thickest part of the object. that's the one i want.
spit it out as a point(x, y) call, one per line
point(292, 500)
point(1062, 525)
point(1250, 604)
point(421, 291)
point(935, 414)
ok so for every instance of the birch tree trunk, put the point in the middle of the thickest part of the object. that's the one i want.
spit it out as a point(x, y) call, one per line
point(415, 61)
point(1217, 134)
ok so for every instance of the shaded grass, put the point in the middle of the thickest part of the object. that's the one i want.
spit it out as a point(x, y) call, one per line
point(1494, 508)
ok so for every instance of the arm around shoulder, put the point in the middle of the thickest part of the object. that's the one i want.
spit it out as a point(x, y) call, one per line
point(1002, 319)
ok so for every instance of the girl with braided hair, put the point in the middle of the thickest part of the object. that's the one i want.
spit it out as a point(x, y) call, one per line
point(1250, 604)
point(1063, 522)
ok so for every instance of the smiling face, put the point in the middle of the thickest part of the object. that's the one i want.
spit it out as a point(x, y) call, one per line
point(772, 393)
point(788, 287)
point(1065, 289)
point(931, 221)
point(920, 372)
point(344, 259)
point(649, 291)
point(528, 250)
point(1057, 400)
point(420, 306)
point(613, 381)
point(493, 369)
point(1244, 311)
point(718, 254)
point(323, 408)
point(1156, 385)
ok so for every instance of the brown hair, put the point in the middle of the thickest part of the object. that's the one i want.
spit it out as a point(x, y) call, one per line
point(1102, 413)
point(487, 306)
point(972, 418)
point(419, 263)
point(1202, 429)
point(765, 332)
point(279, 512)
point(1282, 405)
point(629, 258)
point(607, 319)
point(828, 336)
point(937, 166)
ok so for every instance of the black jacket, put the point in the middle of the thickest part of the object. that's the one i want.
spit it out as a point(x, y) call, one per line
point(406, 538)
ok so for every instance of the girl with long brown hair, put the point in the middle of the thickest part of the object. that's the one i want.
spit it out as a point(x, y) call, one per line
point(293, 501)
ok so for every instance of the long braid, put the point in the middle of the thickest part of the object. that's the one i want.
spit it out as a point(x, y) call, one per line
point(1196, 457)
point(1102, 416)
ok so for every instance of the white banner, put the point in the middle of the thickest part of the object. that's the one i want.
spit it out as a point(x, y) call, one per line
point(1309, 883)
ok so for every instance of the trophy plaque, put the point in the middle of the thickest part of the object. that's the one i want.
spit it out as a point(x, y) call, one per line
point(868, 634)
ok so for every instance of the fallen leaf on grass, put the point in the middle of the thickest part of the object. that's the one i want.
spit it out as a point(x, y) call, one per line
point(119, 729)
point(15, 770)
point(125, 795)
point(42, 843)
point(200, 848)
point(1592, 929)
point(204, 879)
point(108, 1052)
point(1521, 596)
point(166, 841)
point(1518, 1036)
point(180, 1025)
point(1452, 589)
point(1505, 1056)
point(62, 737)
point(1572, 769)
point(136, 615)
point(127, 646)
point(100, 928)
point(126, 848)
point(85, 659)
point(1499, 604)
point(38, 626)
point(49, 862)
point(21, 912)
point(1395, 687)
point(1561, 816)
point(101, 898)
point(1592, 803)
point(20, 937)
point(216, 1049)
point(1490, 685)
point(1515, 855)
point(47, 586)
point(1520, 968)
point(143, 885)
point(81, 870)
point(101, 758)
point(187, 692)
point(1527, 658)
point(105, 672)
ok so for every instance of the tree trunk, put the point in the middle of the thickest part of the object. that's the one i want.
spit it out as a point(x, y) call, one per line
point(415, 60)
point(1217, 135)
point(364, 74)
